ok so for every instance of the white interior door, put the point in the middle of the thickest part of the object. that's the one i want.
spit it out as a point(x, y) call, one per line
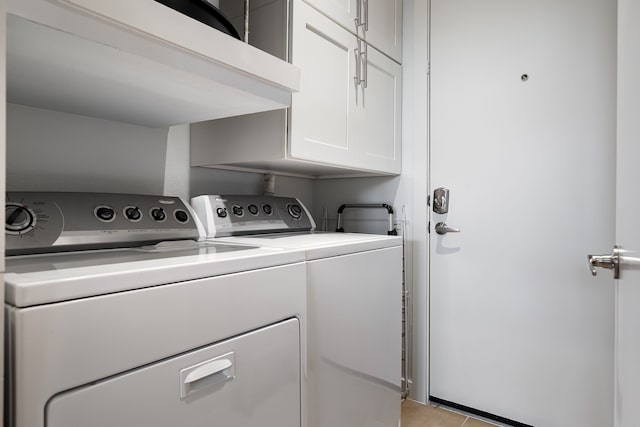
point(627, 387)
point(523, 135)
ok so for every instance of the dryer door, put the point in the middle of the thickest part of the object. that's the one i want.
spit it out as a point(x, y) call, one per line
point(251, 380)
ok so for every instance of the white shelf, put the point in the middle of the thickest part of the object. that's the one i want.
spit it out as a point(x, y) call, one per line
point(136, 61)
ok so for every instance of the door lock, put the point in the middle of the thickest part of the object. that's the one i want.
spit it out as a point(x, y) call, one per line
point(441, 200)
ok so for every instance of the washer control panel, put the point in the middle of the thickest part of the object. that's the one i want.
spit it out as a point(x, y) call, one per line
point(241, 215)
point(38, 222)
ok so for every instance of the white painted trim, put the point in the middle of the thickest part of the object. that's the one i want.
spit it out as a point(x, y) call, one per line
point(415, 172)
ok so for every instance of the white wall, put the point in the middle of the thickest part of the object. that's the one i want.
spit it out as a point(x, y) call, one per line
point(217, 181)
point(53, 151)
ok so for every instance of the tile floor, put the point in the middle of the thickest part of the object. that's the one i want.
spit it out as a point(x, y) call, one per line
point(418, 415)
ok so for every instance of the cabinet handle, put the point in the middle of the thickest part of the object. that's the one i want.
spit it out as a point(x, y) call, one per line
point(358, 14)
point(246, 21)
point(358, 54)
point(365, 66)
point(365, 23)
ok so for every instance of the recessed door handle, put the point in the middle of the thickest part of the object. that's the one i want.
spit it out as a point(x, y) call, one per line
point(207, 374)
point(443, 228)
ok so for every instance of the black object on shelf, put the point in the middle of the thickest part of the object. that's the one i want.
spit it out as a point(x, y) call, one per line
point(391, 231)
point(205, 12)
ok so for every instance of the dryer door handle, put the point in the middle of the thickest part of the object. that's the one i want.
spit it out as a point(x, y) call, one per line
point(207, 370)
point(206, 374)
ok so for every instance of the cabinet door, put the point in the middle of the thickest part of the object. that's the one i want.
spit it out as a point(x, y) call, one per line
point(384, 27)
point(344, 12)
point(323, 112)
point(379, 115)
point(383, 20)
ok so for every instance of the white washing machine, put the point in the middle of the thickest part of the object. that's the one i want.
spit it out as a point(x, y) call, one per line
point(175, 332)
point(354, 305)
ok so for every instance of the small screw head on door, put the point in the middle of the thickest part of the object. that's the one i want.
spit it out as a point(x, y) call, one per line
point(524, 77)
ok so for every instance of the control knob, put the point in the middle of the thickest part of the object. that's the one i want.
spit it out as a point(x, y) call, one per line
point(105, 213)
point(253, 209)
point(18, 218)
point(158, 214)
point(133, 213)
point(238, 210)
point(181, 216)
point(295, 211)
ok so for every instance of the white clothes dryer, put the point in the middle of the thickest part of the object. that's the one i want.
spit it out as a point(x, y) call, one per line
point(354, 305)
point(157, 330)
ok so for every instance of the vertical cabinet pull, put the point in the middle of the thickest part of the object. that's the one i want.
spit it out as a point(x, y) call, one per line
point(358, 54)
point(365, 65)
point(362, 20)
point(362, 14)
point(365, 23)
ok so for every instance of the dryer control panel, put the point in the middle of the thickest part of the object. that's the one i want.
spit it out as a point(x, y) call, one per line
point(225, 216)
point(38, 222)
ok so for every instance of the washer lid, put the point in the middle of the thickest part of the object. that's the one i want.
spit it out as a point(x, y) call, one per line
point(42, 279)
point(320, 244)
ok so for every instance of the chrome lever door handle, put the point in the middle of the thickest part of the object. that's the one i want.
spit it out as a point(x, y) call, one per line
point(442, 228)
point(610, 262)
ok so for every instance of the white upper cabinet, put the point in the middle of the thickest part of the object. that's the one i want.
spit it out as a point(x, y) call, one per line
point(345, 121)
point(379, 22)
point(348, 110)
point(380, 114)
point(136, 61)
point(324, 125)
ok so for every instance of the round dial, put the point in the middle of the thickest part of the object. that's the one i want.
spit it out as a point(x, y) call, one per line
point(133, 213)
point(222, 212)
point(105, 213)
point(253, 209)
point(158, 214)
point(181, 216)
point(18, 219)
point(267, 209)
point(237, 210)
point(295, 211)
